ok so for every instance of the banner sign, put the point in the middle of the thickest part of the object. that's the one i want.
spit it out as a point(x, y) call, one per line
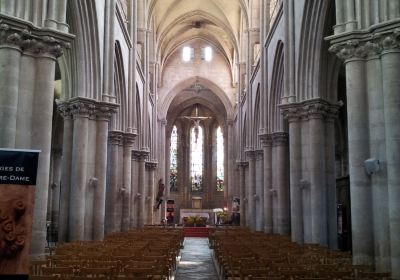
point(18, 167)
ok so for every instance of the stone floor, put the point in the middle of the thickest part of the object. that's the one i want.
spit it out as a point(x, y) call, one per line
point(196, 261)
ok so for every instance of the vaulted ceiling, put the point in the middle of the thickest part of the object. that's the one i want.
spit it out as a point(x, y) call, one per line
point(217, 21)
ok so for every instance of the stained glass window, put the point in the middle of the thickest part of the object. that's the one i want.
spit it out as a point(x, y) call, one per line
point(220, 160)
point(173, 167)
point(196, 155)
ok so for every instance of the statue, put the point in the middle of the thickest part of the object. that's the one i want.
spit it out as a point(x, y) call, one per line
point(160, 194)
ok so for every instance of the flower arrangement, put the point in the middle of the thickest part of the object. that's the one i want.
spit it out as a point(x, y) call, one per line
point(222, 217)
point(194, 221)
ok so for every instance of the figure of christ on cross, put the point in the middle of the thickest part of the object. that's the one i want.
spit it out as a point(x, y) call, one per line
point(196, 120)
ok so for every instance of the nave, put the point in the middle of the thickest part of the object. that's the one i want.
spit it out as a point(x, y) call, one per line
point(233, 253)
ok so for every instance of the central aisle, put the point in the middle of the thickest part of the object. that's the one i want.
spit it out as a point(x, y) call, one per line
point(196, 261)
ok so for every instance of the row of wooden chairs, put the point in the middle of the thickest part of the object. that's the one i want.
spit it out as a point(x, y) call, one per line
point(140, 254)
point(241, 254)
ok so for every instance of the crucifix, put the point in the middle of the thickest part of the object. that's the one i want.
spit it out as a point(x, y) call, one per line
point(196, 120)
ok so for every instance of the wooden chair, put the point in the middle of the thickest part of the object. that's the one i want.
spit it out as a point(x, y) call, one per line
point(375, 275)
point(96, 272)
point(58, 271)
point(37, 265)
point(43, 277)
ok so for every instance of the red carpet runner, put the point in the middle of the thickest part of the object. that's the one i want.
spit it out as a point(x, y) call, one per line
point(195, 231)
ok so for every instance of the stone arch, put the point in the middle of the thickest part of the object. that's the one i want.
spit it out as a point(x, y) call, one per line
point(275, 119)
point(80, 66)
point(169, 97)
point(257, 117)
point(312, 57)
point(119, 120)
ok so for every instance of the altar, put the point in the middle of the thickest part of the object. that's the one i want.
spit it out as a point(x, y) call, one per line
point(207, 213)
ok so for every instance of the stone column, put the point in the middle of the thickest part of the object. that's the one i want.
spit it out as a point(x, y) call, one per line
point(358, 135)
point(134, 191)
point(42, 116)
point(81, 110)
point(103, 113)
point(331, 176)
point(391, 98)
point(292, 114)
point(280, 144)
point(316, 112)
point(267, 144)
point(162, 164)
point(128, 141)
point(10, 56)
point(109, 49)
point(251, 191)
point(259, 202)
point(55, 188)
point(242, 192)
point(65, 172)
point(113, 190)
point(25, 100)
point(141, 156)
point(150, 166)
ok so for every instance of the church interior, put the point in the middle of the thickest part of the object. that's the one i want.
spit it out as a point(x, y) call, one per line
point(264, 134)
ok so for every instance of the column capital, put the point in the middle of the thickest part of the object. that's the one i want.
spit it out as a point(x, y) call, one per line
point(314, 108)
point(105, 110)
point(140, 155)
point(292, 112)
point(151, 165)
point(163, 121)
point(82, 107)
point(280, 139)
point(365, 44)
point(29, 38)
point(129, 139)
point(86, 107)
point(230, 122)
point(250, 154)
point(242, 164)
point(259, 154)
point(266, 139)
point(115, 137)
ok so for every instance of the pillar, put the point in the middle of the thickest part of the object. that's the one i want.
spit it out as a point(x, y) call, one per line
point(267, 144)
point(259, 199)
point(316, 141)
point(113, 190)
point(55, 189)
point(358, 137)
point(242, 192)
point(280, 145)
point(108, 94)
point(81, 112)
point(42, 116)
point(103, 115)
point(379, 183)
point(330, 173)
point(251, 191)
point(128, 141)
point(141, 156)
point(134, 191)
point(10, 55)
point(292, 114)
point(150, 166)
point(65, 172)
point(391, 99)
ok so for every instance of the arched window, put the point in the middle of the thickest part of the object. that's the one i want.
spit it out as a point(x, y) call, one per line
point(173, 167)
point(196, 156)
point(220, 160)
